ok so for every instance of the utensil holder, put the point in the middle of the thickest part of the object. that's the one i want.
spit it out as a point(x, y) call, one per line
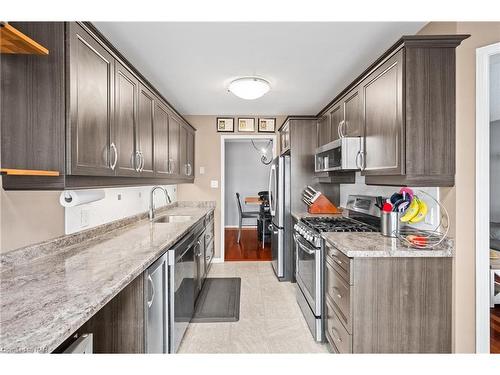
point(390, 223)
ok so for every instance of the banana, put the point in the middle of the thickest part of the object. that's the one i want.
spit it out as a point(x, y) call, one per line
point(411, 211)
point(422, 212)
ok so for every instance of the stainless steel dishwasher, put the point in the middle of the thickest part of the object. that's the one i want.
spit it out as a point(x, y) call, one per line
point(156, 306)
point(183, 285)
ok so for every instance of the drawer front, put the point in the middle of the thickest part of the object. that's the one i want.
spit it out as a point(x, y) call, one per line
point(339, 292)
point(341, 262)
point(336, 334)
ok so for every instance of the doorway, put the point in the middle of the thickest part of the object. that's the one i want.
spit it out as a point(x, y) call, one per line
point(245, 164)
point(487, 208)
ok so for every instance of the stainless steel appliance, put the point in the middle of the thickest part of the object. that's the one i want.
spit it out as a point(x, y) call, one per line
point(279, 206)
point(183, 285)
point(342, 154)
point(360, 215)
point(156, 296)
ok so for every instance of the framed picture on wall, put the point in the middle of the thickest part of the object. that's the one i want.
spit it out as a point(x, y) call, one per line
point(246, 125)
point(225, 124)
point(267, 125)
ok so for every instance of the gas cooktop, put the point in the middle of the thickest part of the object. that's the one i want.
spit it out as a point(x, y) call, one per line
point(336, 224)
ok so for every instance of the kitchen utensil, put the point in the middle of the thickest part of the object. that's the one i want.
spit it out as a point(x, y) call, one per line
point(387, 207)
point(389, 223)
point(396, 197)
point(406, 191)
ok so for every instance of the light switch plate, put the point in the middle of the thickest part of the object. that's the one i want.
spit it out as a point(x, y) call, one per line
point(214, 184)
point(202, 170)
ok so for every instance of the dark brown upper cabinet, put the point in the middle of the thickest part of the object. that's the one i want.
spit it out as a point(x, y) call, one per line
point(162, 165)
point(183, 162)
point(382, 103)
point(174, 140)
point(126, 118)
point(323, 130)
point(351, 125)
point(190, 153)
point(84, 111)
point(91, 150)
point(145, 128)
point(404, 107)
point(336, 116)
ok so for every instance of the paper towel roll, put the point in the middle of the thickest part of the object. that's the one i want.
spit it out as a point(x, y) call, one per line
point(71, 198)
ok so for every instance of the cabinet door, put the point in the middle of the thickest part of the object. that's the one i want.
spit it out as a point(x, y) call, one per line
point(352, 114)
point(161, 141)
point(336, 117)
point(173, 144)
point(383, 120)
point(190, 153)
point(145, 131)
point(126, 99)
point(91, 72)
point(183, 163)
point(323, 130)
point(156, 294)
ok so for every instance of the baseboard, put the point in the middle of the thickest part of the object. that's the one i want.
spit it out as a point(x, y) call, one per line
point(242, 228)
point(217, 260)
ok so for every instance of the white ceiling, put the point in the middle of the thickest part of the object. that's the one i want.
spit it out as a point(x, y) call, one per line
point(307, 63)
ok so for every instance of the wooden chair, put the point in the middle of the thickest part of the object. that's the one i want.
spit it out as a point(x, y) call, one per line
point(244, 215)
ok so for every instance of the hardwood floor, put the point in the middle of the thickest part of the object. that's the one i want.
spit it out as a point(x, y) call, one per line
point(495, 330)
point(249, 248)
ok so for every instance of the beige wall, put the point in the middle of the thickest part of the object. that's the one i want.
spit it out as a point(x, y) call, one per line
point(207, 154)
point(29, 217)
point(460, 199)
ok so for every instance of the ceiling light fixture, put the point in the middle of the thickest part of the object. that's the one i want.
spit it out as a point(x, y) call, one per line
point(249, 88)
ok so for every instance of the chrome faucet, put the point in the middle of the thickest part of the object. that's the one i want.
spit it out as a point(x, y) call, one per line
point(151, 200)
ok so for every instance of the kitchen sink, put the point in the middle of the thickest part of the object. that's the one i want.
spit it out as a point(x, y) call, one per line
point(173, 219)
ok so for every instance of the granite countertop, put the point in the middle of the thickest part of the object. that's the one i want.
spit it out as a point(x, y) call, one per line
point(363, 244)
point(48, 291)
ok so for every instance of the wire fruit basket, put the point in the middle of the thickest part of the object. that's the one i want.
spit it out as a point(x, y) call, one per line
point(426, 239)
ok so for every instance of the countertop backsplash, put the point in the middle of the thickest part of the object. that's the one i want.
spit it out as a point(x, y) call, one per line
point(360, 187)
point(118, 203)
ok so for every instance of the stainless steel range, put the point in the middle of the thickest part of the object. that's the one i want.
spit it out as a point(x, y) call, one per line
point(361, 215)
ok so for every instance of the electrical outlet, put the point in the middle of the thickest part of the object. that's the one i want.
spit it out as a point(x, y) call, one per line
point(84, 217)
point(214, 184)
point(202, 170)
point(119, 197)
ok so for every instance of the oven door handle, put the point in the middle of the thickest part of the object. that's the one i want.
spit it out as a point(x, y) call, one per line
point(304, 247)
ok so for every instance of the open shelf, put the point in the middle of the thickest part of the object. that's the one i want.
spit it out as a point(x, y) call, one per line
point(13, 41)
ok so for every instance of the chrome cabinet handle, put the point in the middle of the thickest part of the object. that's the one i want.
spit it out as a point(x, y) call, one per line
point(335, 334)
point(336, 291)
point(142, 161)
point(190, 169)
point(339, 129)
point(150, 280)
point(137, 163)
point(115, 152)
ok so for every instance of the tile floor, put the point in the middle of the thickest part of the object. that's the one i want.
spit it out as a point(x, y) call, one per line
point(270, 319)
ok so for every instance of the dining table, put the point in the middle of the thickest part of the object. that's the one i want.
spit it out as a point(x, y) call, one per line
point(251, 200)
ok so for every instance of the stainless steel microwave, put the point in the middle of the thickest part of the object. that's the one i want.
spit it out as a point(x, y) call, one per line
point(341, 154)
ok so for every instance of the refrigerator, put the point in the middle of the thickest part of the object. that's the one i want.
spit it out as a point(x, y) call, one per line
point(279, 205)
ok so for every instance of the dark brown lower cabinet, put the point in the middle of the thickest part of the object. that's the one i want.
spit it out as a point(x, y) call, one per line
point(388, 305)
point(119, 326)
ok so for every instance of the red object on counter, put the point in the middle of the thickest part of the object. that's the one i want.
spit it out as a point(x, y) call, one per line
point(387, 207)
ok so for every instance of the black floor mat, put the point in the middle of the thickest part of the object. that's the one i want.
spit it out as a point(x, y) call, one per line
point(219, 301)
